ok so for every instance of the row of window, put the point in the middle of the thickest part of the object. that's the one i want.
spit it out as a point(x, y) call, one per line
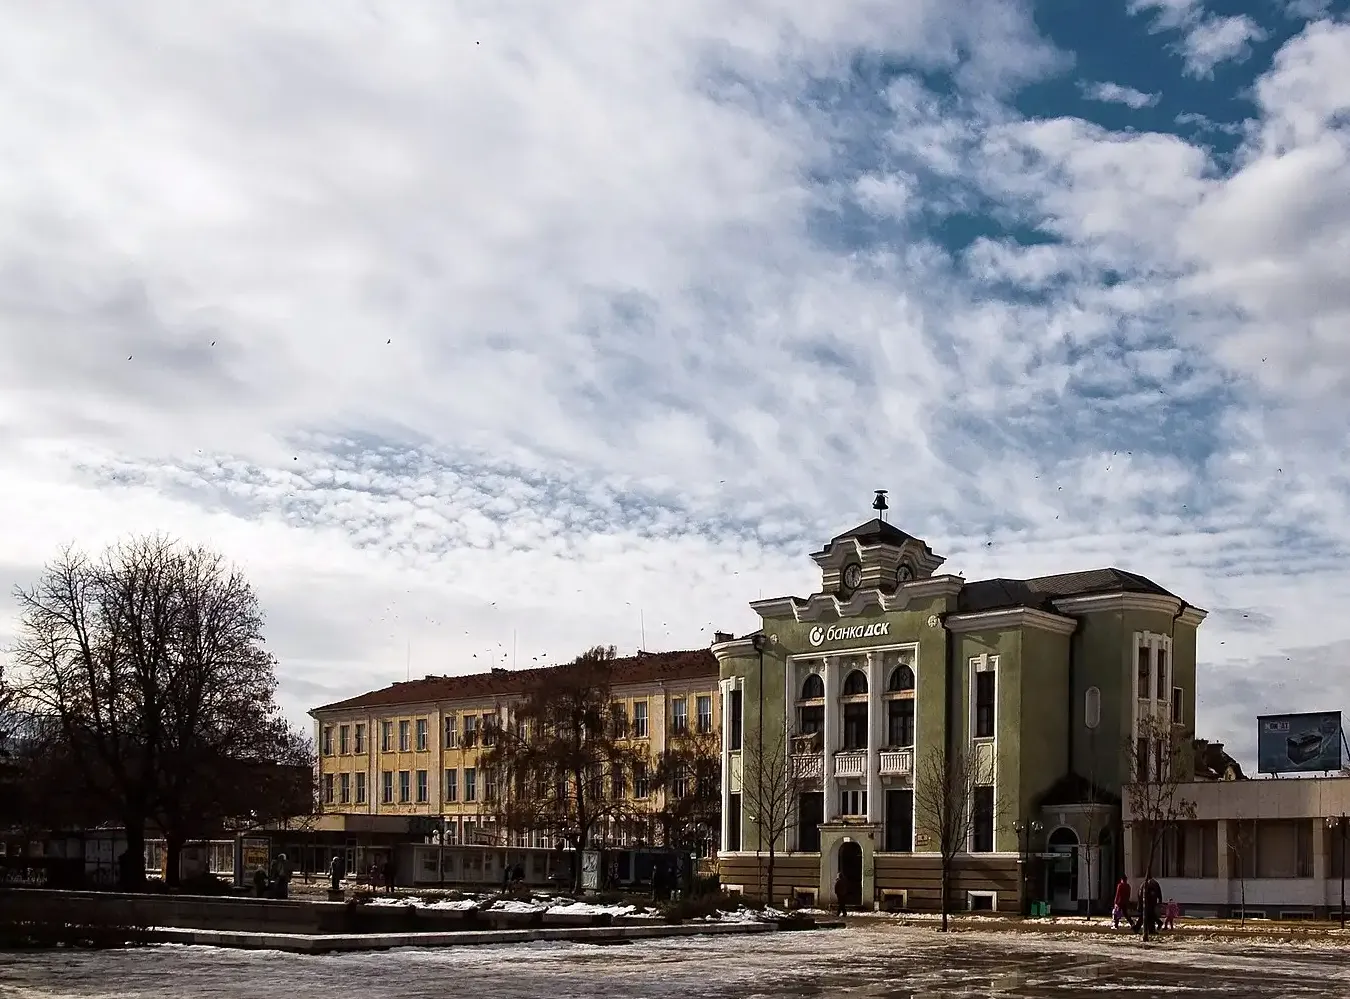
point(406, 787)
point(1153, 679)
point(414, 736)
point(898, 824)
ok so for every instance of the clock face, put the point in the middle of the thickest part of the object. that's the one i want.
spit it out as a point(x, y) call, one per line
point(852, 575)
point(905, 573)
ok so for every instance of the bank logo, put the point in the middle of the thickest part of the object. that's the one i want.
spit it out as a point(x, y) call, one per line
point(835, 633)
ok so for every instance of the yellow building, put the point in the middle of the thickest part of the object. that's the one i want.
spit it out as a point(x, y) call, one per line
point(411, 750)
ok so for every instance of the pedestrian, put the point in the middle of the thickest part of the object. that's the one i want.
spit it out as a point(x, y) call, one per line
point(1120, 908)
point(260, 881)
point(389, 876)
point(1153, 905)
point(281, 876)
point(1173, 911)
point(335, 872)
point(840, 905)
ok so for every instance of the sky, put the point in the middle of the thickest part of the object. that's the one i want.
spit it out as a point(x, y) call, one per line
point(480, 333)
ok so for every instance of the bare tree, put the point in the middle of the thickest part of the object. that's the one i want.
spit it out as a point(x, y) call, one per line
point(149, 662)
point(1153, 793)
point(1242, 851)
point(944, 794)
point(561, 760)
point(771, 790)
point(689, 776)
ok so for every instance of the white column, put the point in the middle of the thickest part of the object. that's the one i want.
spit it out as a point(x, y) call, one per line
point(725, 687)
point(875, 683)
point(830, 741)
point(790, 729)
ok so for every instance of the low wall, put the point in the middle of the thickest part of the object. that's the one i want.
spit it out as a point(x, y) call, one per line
point(262, 915)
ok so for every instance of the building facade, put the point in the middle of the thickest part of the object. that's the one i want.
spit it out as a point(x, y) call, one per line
point(1266, 848)
point(1043, 683)
point(411, 751)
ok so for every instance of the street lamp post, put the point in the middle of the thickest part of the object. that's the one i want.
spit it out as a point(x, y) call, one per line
point(1024, 830)
point(1338, 822)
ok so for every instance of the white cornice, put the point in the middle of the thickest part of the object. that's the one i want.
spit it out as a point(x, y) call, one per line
point(822, 605)
point(738, 648)
point(1154, 602)
point(1010, 618)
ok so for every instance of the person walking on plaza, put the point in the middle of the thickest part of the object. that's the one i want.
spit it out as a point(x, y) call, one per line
point(1120, 907)
point(281, 876)
point(1173, 911)
point(840, 905)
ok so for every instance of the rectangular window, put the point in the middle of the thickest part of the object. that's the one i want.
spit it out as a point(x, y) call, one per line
point(1162, 677)
point(470, 784)
point(811, 719)
point(327, 740)
point(421, 735)
point(810, 815)
point(489, 729)
point(855, 726)
point(985, 688)
point(617, 785)
point(345, 789)
point(387, 787)
point(360, 788)
point(640, 719)
point(733, 843)
point(737, 719)
point(451, 786)
point(470, 731)
point(344, 739)
point(404, 787)
point(489, 786)
point(327, 789)
point(404, 737)
point(640, 780)
point(423, 790)
point(1162, 765)
point(618, 717)
point(1141, 760)
point(1176, 706)
point(899, 821)
point(900, 722)
point(704, 705)
point(450, 734)
point(679, 715)
point(359, 742)
point(679, 786)
point(1144, 682)
point(982, 820)
point(852, 802)
point(386, 737)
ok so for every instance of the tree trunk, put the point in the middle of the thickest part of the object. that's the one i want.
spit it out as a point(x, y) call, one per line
point(131, 873)
point(946, 894)
point(768, 879)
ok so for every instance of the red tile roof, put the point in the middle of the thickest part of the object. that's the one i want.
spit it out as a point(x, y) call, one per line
point(645, 667)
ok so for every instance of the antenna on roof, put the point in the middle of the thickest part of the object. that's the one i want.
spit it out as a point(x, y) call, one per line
point(879, 504)
point(642, 626)
point(513, 648)
point(408, 664)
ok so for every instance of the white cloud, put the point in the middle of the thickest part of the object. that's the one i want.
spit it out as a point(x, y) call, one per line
point(1114, 93)
point(558, 325)
point(1219, 39)
point(1207, 39)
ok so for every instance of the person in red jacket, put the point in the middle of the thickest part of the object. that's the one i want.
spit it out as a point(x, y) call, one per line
point(1120, 908)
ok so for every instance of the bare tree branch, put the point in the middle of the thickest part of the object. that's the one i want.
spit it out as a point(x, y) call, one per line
point(771, 789)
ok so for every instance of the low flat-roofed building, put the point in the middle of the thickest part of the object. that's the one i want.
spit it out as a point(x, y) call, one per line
point(1270, 848)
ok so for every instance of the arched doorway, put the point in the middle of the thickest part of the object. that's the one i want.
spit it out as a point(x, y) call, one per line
point(1063, 873)
point(850, 872)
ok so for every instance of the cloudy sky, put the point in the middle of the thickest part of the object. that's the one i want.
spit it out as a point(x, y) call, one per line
point(466, 327)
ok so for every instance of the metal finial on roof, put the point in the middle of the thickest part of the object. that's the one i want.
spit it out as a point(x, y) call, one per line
point(879, 504)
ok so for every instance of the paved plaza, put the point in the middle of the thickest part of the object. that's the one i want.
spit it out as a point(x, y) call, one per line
point(861, 961)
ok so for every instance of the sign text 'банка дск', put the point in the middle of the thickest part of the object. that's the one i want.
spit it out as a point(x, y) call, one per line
point(844, 633)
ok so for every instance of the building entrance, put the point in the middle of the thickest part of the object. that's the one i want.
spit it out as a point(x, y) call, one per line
point(850, 870)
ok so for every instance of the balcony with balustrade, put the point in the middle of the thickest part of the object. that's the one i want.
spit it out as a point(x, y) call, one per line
point(897, 762)
point(850, 763)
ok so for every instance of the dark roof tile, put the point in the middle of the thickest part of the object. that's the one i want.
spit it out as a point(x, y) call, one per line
point(645, 667)
point(1041, 591)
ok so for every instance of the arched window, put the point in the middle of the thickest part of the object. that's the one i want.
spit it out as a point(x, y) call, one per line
point(813, 687)
point(855, 683)
point(902, 678)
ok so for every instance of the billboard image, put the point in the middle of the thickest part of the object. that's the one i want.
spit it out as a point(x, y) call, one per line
point(1303, 743)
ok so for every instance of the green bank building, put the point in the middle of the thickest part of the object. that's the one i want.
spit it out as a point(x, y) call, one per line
point(1043, 682)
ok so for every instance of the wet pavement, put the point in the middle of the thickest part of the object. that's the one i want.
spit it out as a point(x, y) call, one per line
point(861, 962)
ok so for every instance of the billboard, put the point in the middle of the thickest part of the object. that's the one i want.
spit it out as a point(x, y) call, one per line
point(1302, 743)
